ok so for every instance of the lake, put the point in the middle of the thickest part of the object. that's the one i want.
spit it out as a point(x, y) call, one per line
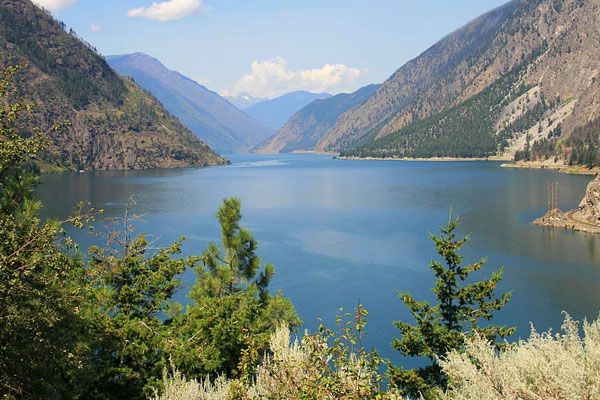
point(342, 230)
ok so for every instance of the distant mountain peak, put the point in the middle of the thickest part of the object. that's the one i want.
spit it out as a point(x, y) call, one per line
point(304, 129)
point(244, 100)
point(275, 112)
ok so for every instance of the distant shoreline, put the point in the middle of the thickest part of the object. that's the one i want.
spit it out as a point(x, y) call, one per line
point(418, 158)
point(567, 169)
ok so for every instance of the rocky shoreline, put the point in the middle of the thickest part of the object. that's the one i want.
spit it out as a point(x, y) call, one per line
point(560, 167)
point(586, 218)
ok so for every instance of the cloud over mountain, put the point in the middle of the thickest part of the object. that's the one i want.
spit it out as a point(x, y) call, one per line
point(167, 10)
point(273, 78)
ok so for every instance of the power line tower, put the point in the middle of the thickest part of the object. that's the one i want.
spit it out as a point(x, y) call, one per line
point(552, 189)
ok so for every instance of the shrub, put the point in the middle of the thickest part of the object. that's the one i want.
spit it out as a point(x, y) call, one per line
point(325, 365)
point(562, 366)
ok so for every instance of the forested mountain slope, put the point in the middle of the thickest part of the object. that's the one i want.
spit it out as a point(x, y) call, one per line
point(304, 129)
point(113, 123)
point(526, 72)
point(212, 118)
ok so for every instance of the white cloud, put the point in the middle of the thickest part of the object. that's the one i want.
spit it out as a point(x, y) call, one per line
point(167, 10)
point(94, 27)
point(54, 5)
point(273, 78)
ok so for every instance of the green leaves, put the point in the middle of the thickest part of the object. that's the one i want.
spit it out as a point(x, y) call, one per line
point(43, 292)
point(441, 327)
point(232, 313)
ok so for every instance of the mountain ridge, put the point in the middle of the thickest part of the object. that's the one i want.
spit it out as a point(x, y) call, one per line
point(114, 124)
point(211, 117)
point(495, 87)
point(277, 111)
point(244, 100)
point(304, 129)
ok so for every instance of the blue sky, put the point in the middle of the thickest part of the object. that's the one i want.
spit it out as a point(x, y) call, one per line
point(269, 47)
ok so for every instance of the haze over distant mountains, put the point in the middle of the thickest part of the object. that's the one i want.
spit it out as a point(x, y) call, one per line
point(244, 100)
point(304, 129)
point(212, 118)
point(275, 112)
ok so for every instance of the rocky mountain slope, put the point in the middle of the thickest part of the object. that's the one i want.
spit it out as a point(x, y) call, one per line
point(590, 204)
point(114, 124)
point(304, 129)
point(275, 112)
point(212, 118)
point(522, 73)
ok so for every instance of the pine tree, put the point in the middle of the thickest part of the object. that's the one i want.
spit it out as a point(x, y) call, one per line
point(441, 328)
point(232, 313)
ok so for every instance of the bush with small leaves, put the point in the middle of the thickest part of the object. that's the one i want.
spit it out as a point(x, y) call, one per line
point(546, 366)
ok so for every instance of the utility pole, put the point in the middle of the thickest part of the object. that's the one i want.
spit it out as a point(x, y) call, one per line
point(548, 195)
point(552, 192)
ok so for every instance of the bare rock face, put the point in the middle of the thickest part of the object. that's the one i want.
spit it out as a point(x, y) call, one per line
point(590, 205)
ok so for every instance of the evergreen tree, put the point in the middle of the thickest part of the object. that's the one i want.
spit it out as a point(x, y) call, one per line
point(134, 285)
point(232, 313)
point(441, 327)
point(43, 326)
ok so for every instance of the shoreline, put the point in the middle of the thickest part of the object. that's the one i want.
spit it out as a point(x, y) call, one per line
point(418, 159)
point(563, 168)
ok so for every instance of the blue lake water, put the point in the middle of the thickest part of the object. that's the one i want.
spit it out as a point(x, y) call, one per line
point(339, 230)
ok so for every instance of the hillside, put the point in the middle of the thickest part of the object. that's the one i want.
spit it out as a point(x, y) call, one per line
point(114, 124)
point(275, 112)
point(212, 118)
point(524, 72)
point(304, 129)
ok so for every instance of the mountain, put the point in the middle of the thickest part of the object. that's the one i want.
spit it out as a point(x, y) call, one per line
point(304, 129)
point(526, 72)
point(244, 100)
point(212, 118)
point(277, 111)
point(113, 123)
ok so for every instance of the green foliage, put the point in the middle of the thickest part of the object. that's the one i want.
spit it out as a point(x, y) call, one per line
point(466, 129)
point(585, 145)
point(133, 288)
point(582, 147)
point(232, 314)
point(329, 364)
point(42, 293)
point(335, 364)
point(82, 78)
point(116, 124)
point(440, 328)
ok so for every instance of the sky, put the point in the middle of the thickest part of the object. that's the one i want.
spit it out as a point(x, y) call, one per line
point(270, 47)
